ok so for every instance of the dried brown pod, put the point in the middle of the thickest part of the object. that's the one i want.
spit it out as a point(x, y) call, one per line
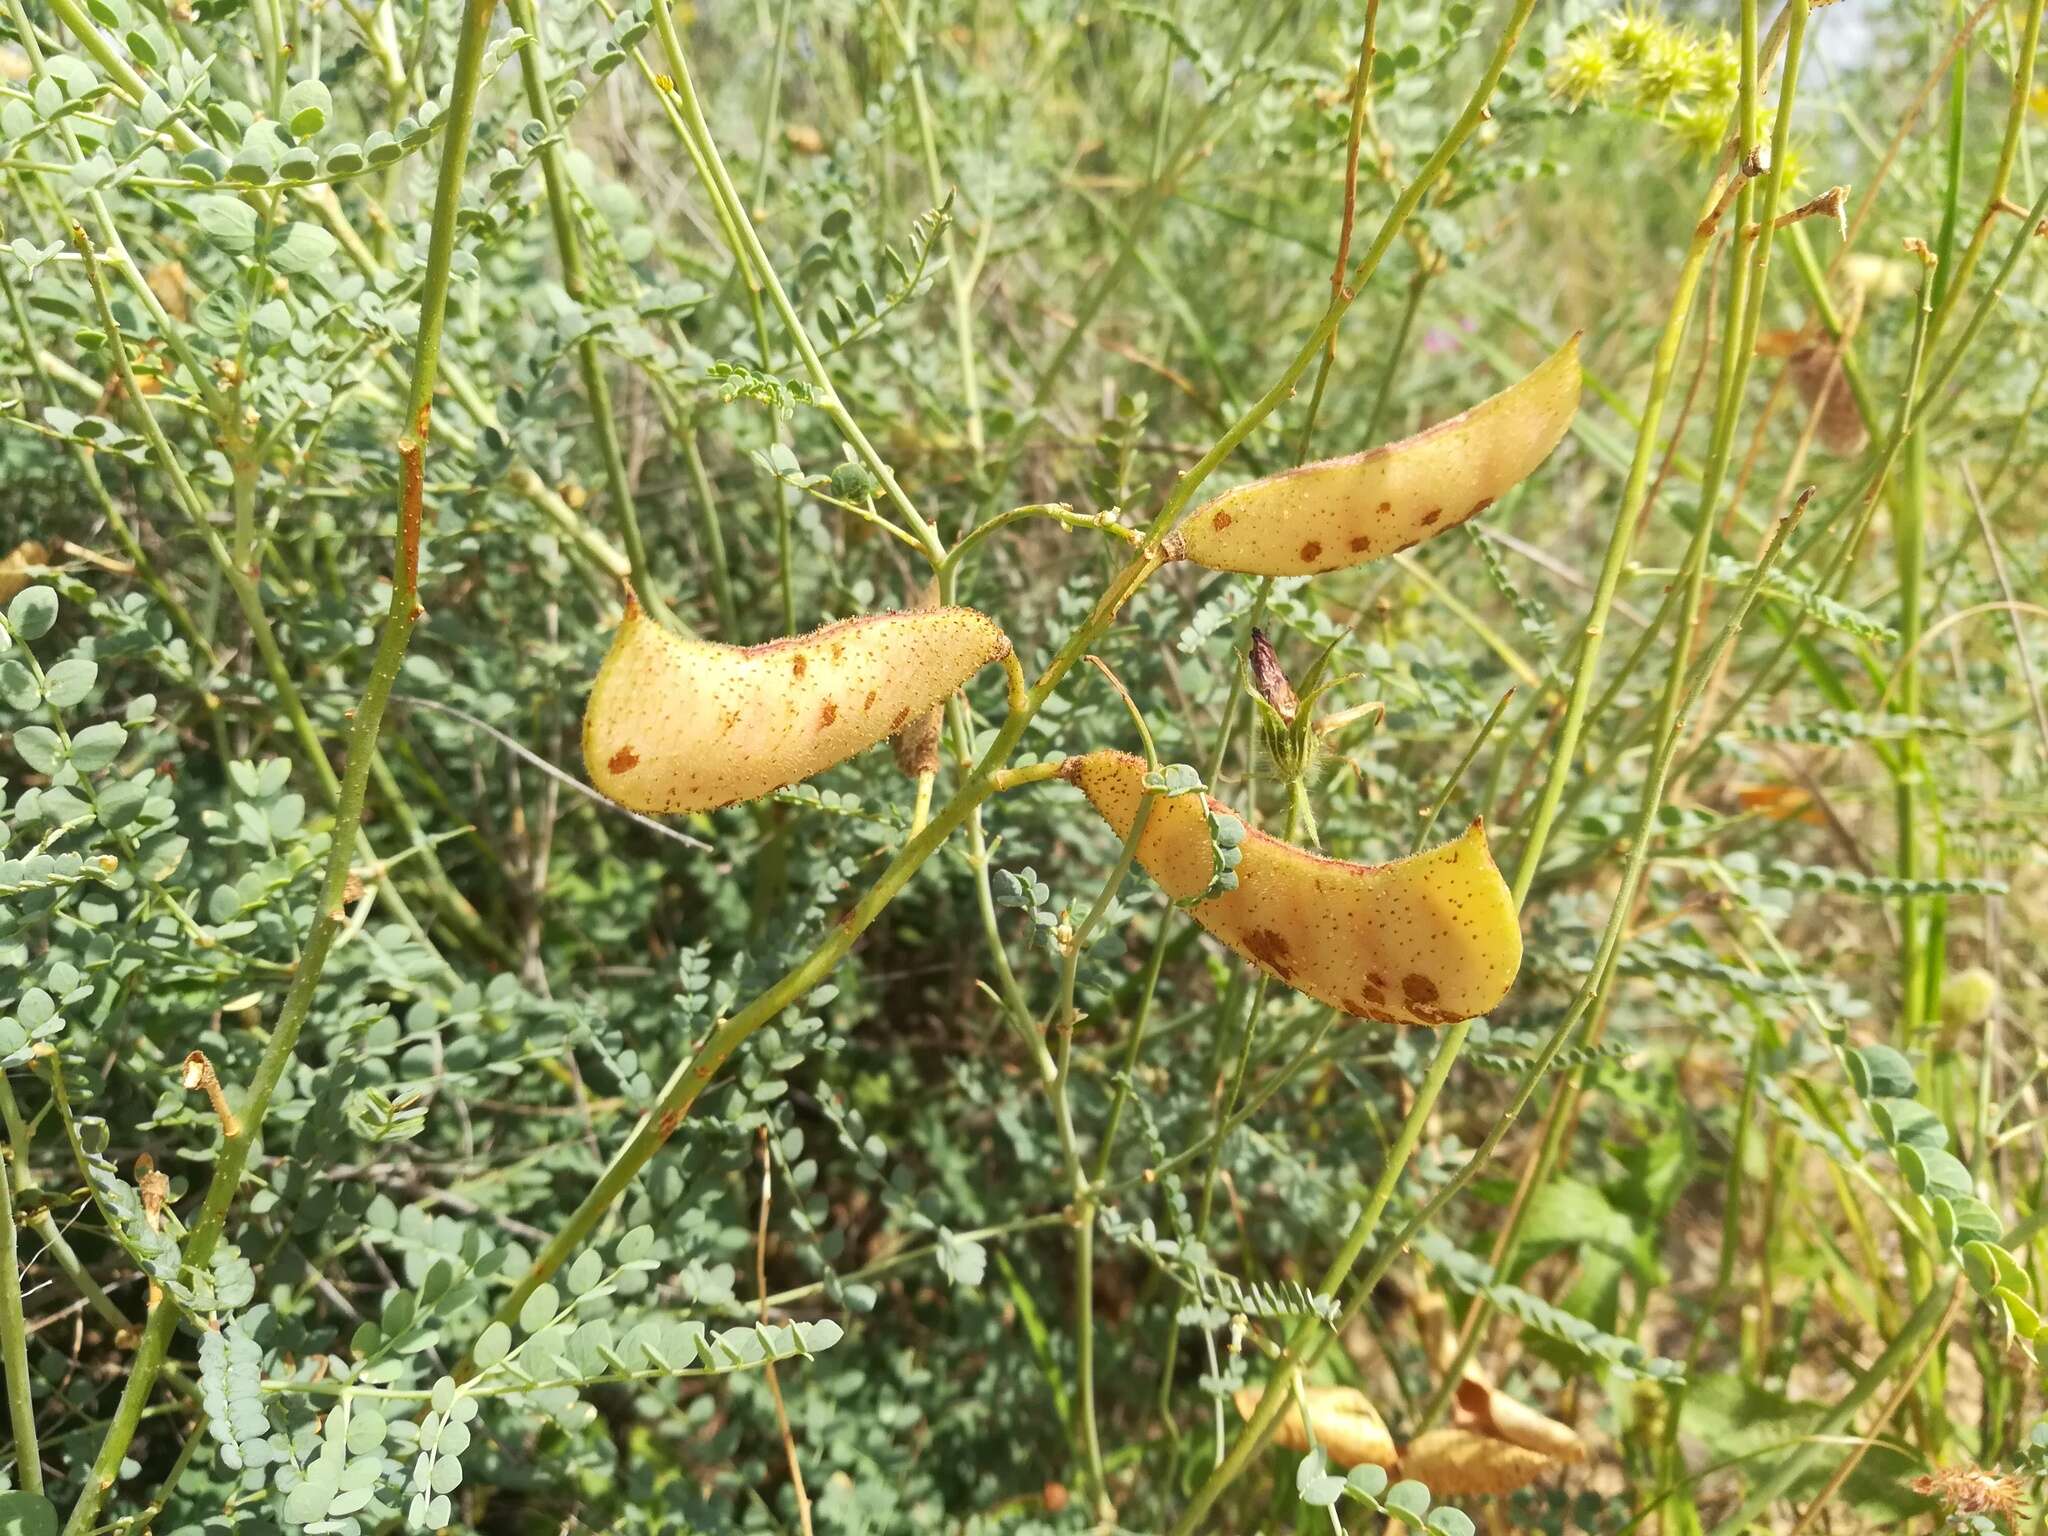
point(1348, 1427)
point(14, 570)
point(173, 290)
point(1494, 1413)
point(1463, 1461)
point(1817, 370)
point(917, 745)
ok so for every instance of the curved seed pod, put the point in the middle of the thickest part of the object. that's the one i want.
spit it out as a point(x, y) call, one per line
point(1343, 512)
point(678, 725)
point(14, 570)
point(1494, 1413)
point(1348, 1427)
point(1429, 939)
point(1463, 1461)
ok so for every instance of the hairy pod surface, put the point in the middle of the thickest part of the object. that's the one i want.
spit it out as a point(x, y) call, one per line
point(1429, 939)
point(1344, 512)
point(1463, 1461)
point(1348, 1427)
point(677, 725)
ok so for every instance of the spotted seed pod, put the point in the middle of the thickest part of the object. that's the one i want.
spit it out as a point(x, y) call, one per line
point(1429, 939)
point(1344, 512)
point(678, 725)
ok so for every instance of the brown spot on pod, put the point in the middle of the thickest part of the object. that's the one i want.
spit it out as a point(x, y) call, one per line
point(828, 714)
point(799, 666)
point(1220, 522)
point(1269, 947)
point(1311, 550)
point(1418, 989)
point(1360, 544)
point(1480, 506)
point(1431, 516)
point(625, 760)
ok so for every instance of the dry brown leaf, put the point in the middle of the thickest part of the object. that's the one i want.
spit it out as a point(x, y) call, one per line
point(167, 281)
point(14, 570)
point(1348, 1427)
point(1780, 802)
point(1819, 367)
point(1463, 1461)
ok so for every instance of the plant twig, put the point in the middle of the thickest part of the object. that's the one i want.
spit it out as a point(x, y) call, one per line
point(401, 616)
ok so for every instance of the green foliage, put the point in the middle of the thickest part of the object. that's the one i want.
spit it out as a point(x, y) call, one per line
point(979, 1220)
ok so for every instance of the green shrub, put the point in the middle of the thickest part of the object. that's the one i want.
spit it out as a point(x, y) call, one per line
point(399, 1133)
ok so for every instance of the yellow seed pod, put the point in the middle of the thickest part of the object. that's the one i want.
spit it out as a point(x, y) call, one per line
point(1505, 1418)
point(1348, 1427)
point(1429, 939)
point(1344, 512)
point(1463, 1461)
point(678, 725)
point(14, 570)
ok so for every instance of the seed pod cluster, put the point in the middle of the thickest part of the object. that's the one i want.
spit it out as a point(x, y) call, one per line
point(1429, 939)
point(677, 725)
point(1344, 512)
point(1494, 1445)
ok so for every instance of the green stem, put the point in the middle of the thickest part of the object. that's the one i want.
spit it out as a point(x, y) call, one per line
point(687, 1083)
point(1458, 773)
point(1933, 1307)
point(960, 276)
point(1745, 308)
point(21, 1402)
point(204, 1234)
point(713, 532)
point(576, 280)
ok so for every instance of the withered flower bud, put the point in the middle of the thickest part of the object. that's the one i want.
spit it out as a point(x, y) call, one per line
point(1270, 680)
